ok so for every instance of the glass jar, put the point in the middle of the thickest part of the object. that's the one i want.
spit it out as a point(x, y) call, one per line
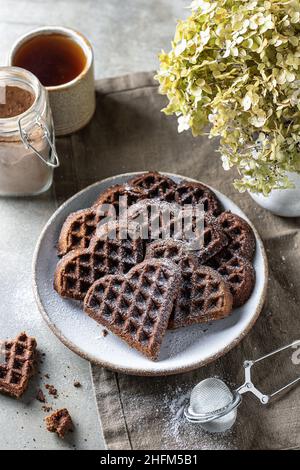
point(27, 143)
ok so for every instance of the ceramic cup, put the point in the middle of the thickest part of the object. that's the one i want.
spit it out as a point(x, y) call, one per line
point(73, 103)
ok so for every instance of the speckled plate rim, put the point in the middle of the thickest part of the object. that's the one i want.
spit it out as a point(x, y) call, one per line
point(132, 371)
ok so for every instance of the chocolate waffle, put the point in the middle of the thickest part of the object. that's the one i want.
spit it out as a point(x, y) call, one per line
point(238, 272)
point(189, 193)
point(80, 226)
point(18, 366)
point(204, 234)
point(108, 253)
point(241, 237)
point(153, 184)
point(136, 306)
point(203, 295)
point(156, 219)
point(60, 422)
point(78, 230)
point(151, 217)
point(206, 239)
point(171, 249)
point(113, 194)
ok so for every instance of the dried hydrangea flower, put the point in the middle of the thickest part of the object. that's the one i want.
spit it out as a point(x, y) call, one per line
point(236, 65)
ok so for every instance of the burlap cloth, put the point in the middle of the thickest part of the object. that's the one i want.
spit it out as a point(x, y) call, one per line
point(129, 133)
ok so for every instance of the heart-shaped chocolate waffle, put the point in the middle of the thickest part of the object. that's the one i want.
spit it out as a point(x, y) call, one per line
point(241, 237)
point(80, 226)
point(238, 272)
point(78, 230)
point(160, 220)
point(171, 249)
point(108, 253)
point(136, 306)
point(152, 218)
point(203, 295)
point(176, 249)
point(153, 184)
point(189, 193)
point(204, 236)
point(18, 366)
point(113, 194)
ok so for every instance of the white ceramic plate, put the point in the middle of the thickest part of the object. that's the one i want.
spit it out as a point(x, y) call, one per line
point(182, 350)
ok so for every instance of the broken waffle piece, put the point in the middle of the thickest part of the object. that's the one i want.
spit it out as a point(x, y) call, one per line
point(136, 306)
point(60, 422)
point(108, 253)
point(18, 366)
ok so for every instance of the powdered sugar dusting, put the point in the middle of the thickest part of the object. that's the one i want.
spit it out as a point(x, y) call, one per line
point(180, 434)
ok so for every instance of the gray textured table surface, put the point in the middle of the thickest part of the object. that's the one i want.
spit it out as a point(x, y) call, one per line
point(126, 37)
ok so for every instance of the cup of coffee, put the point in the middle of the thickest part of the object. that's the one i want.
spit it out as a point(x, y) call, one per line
point(62, 59)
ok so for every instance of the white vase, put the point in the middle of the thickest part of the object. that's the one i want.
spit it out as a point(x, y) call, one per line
point(283, 202)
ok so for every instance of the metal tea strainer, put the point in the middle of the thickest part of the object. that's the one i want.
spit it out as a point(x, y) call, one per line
point(214, 406)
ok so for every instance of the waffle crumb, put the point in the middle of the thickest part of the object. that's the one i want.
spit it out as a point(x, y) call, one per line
point(40, 396)
point(52, 390)
point(47, 408)
point(60, 422)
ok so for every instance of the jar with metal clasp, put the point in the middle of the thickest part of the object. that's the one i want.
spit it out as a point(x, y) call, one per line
point(27, 143)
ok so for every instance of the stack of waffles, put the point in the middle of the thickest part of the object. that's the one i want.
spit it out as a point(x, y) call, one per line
point(139, 276)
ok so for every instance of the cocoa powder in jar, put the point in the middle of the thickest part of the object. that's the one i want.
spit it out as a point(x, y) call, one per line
point(14, 101)
point(22, 172)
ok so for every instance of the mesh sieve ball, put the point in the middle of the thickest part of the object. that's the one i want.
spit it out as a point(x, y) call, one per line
point(210, 395)
point(213, 405)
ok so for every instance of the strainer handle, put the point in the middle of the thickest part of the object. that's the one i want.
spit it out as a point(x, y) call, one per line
point(248, 385)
